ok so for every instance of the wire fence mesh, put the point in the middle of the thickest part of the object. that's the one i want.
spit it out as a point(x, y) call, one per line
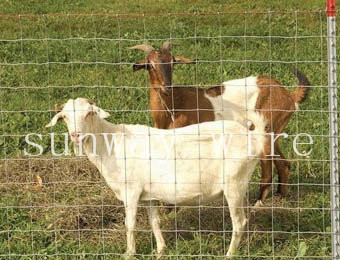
point(61, 207)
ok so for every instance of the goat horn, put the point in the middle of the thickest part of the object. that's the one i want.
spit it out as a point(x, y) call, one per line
point(90, 102)
point(58, 108)
point(167, 45)
point(147, 48)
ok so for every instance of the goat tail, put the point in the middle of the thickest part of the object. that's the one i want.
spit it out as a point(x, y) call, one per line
point(301, 92)
point(258, 127)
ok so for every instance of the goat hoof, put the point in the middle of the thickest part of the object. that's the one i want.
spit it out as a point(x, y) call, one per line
point(258, 204)
point(129, 256)
point(230, 254)
point(281, 193)
point(159, 253)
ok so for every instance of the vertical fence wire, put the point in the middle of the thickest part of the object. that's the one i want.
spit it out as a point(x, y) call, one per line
point(264, 223)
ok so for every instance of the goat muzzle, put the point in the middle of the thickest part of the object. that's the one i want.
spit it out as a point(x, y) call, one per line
point(75, 137)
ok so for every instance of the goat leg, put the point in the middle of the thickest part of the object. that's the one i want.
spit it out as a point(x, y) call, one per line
point(234, 193)
point(154, 221)
point(131, 205)
point(266, 178)
point(282, 166)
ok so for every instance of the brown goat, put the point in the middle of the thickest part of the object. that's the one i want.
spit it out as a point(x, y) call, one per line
point(178, 106)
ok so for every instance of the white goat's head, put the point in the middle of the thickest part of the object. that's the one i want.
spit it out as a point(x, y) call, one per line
point(77, 114)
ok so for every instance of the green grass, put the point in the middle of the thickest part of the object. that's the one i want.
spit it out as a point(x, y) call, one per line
point(75, 214)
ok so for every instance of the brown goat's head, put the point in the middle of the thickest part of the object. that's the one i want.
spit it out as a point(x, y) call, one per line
point(159, 64)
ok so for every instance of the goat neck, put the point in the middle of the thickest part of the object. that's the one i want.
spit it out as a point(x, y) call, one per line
point(97, 127)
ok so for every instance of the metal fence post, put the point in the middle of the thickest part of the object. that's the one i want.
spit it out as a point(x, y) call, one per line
point(333, 127)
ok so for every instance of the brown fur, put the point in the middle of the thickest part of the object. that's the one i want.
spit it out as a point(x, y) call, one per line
point(181, 106)
point(277, 105)
point(215, 91)
point(301, 93)
point(175, 106)
point(186, 105)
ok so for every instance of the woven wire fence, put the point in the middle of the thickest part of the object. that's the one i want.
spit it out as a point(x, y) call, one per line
point(61, 207)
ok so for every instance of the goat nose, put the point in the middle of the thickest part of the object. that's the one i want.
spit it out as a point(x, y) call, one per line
point(75, 134)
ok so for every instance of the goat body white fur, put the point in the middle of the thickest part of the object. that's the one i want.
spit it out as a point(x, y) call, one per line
point(183, 165)
point(239, 97)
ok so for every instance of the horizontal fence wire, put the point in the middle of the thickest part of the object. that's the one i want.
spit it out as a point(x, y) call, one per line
point(60, 206)
point(142, 15)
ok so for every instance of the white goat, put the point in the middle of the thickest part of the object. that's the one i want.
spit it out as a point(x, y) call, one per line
point(181, 166)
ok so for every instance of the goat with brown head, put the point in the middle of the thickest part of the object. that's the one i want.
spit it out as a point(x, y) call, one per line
point(170, 106)
point(159, 64)
point(179, 106)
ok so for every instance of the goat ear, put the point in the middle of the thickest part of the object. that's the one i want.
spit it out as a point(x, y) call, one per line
point(58, 108)
point(143, 64)
point(103, 114)
point(100, 112)
point(90, 102)
point(182, 60)
point(54, 120)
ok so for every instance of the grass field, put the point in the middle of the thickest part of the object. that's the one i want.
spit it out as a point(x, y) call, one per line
point(45, 60)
